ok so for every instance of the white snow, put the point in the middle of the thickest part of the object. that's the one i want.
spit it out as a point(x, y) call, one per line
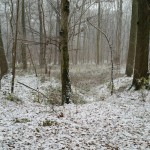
point(121, 121)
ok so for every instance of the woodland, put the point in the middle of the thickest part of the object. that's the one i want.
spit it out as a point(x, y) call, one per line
point(74, 74)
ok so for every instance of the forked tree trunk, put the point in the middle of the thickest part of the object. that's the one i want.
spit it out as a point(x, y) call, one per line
point(132, 41)
point(66, 86)
point(142, 46)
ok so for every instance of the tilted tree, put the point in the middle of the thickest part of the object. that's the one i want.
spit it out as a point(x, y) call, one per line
point(142, 46)
point(65, 80)
point(132, 41)
point(3, 61)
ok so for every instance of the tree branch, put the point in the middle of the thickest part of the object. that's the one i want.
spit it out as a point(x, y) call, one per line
point(111, 51)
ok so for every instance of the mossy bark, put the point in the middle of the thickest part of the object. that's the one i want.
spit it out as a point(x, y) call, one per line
point(66, 86)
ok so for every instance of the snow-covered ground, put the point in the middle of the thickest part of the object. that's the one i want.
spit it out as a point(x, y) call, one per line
point(121, 121)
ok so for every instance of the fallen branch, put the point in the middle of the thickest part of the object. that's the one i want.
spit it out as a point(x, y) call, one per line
point(38, 93)
point(33, 89)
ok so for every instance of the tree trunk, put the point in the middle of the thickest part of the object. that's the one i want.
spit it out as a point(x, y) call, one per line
point(14, 50)
point(66, 86)
point(44, 39)
point(142, 46)
point(78, 51)
point(3, 61)
point(41, 56)
point(118, 35)
point(23, 46)
point(98, 36)
point(57, 51)
point(132, 41)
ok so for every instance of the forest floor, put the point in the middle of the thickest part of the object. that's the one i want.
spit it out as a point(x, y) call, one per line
point(97, 120)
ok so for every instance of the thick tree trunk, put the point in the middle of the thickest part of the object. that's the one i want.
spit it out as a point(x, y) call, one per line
point(142, 46)
point(66, 86)
point(132, 41)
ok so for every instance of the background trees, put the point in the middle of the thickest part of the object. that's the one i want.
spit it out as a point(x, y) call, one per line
point(43, 16)
point(45, 31)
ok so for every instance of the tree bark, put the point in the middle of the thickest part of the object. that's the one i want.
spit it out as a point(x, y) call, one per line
point(142, 46)
point(57, 50)
point(3, 61)
point(132, 41)
point(118, 34)
point(14, 50)
point(66, 86)
point(23, 46)
point(78, 51)
point(41, 56)
point(98, 36)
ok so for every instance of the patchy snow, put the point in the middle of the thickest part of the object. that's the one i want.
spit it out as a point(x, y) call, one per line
point(121, 121)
